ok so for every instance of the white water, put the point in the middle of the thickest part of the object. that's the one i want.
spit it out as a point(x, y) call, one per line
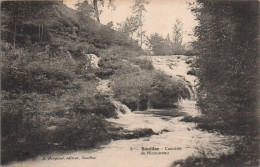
point(176, 66)
point(105, 89)
point(181, 136)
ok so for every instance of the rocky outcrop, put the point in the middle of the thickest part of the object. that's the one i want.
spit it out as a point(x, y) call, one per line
point(92, 61)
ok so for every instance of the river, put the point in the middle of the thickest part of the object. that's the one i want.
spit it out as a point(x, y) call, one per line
point(180, 140)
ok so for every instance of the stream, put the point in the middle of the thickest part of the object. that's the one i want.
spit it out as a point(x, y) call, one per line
point(180, 141)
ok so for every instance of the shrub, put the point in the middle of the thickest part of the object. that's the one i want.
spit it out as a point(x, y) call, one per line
point(143, 89)
point(34, 123)
point(167, 91)
point(98, 104)
point(23, 71)
point(143, 63)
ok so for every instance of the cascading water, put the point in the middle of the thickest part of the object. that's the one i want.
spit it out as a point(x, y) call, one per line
point(177, 67)
point(180, 140)
point(105, 89)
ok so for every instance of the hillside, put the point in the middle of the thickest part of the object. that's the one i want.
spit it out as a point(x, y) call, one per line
point(50, 99)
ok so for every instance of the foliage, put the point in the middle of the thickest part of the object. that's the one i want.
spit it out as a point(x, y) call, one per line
point(85, 9)
point(91, 7)
point(158, 45)
point(161, 46)
point(228, 72)
point(33, 124)
point(49, 98)
point(143, 63)
point(129, 26)
point(142, 90)
point(30, 72)
point(228, 62)
point(71, 119)
point(177, 32)
point(245, 155)
point(134, 23)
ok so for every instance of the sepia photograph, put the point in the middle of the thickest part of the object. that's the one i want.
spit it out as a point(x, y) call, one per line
point(130, 83)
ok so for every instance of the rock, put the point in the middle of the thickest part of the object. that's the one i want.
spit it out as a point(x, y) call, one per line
point(191, 72)
point(135, 134)
point(188, 61)
point(52, 128)
point(92, 61)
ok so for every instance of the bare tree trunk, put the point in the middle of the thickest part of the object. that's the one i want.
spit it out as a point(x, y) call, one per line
point(138, 104)
point(141, 36)
point(141, 30)
point(96, 9)
point(149, 105)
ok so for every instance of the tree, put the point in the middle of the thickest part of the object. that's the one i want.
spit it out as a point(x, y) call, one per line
point(138, 10)
point(94, 8)
point(85, 9)
point(228, 61)
point(177, 47)
point(129, 26)
point(177, 32)
point(17, 13)
point(158, 45)
point(168, 38)
point(12, 13)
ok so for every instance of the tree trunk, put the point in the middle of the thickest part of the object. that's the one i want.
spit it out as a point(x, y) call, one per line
point(141, 36)
point(141, 30)
point(149, 104)
point(138, 104)
point(96, 9)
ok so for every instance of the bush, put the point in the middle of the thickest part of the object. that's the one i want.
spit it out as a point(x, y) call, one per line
point(143, 63)
point(69, 132)
point(246, 154)
point(35, 123)
point(167, 91)
point(23, 71)
point(98, 104)
point(141, 90)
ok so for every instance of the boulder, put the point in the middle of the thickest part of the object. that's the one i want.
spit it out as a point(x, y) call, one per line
point(92, 61)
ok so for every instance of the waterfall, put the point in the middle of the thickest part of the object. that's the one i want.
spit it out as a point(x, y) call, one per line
point(176, 67)
point(190, 88)
point(121, 108)
point(105, 89)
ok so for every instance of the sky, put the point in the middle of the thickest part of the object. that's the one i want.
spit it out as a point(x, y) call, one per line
point(160, 16)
